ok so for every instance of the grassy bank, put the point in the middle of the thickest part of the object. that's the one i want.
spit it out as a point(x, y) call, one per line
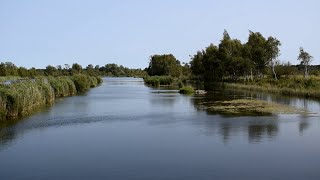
point(298, 86)
point(19, 99)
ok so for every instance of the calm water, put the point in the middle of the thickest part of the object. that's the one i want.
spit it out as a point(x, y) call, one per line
point(125, 130)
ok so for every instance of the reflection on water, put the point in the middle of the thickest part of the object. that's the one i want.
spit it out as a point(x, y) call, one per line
point(259, 132)
point(125, 130)
point(79, 110)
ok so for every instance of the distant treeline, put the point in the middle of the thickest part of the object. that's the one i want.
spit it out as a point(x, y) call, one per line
point(10, 69)
point(232, 60)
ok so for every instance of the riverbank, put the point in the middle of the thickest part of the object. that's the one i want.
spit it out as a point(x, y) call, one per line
point(21, 98)
point(297, 86)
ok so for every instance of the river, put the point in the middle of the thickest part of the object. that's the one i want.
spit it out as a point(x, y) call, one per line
point(126, 130)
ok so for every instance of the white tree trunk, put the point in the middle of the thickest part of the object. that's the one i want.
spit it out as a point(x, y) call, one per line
point(274, 72)
point(306, 71)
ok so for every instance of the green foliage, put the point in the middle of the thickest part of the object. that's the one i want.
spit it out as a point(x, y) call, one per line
point(232, 60)
point(26, 95)
point(8, 69)
point(158, 80)
point(295, 85)
point(76, 68)
point(164, 65)
point(63, 86)
point(21, 98)
point(82, 82)
point(186, 90)
point(305, 59)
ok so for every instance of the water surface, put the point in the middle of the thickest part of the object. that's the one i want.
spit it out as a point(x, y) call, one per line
point(125, 130)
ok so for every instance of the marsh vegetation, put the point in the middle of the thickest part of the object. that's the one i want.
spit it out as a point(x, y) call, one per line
point(21, 98)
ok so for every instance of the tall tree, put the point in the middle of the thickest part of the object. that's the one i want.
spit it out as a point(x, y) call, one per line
point(196, 64)
point(256, 47)
point(305, 59)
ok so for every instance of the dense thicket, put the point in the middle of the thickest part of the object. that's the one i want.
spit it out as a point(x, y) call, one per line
point(20, 98)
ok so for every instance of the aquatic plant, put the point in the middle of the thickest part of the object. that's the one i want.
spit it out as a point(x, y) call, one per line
point(158, 80)
point(186, 90)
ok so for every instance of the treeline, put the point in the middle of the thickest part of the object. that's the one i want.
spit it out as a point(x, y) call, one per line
point(10, 69)
point(233, 60)
point(19, 99)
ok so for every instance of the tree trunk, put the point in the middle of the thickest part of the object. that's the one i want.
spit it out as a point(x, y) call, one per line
point(274, 72)
point(306, 71)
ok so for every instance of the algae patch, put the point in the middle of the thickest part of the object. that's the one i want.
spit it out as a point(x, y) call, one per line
point(245, 107)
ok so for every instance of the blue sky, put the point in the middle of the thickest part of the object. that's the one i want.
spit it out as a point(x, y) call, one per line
point(37, 33)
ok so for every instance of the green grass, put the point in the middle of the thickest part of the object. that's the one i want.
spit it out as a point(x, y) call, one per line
point(157, 81)
point(297, 85)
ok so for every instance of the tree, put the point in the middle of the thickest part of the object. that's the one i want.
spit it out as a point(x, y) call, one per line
point(196, 64)
point(50, 70)
point(23, 72)
point(164, 65)
point(8, 69)
point(33, 72)
point(273, 52)
point(305, 59)
point(256, 47)
point(76, 68)
point(231, 55)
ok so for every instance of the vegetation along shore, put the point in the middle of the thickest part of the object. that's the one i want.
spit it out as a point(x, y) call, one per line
point(21, 98)
point(23, 91)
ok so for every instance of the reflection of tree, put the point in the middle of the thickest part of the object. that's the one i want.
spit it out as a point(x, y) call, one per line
point(225, 129)
point(6, 137)
point(258, 132)
point(303, 125)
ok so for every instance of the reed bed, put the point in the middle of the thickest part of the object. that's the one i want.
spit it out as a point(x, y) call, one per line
point(19, 99)
point(158, 80)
